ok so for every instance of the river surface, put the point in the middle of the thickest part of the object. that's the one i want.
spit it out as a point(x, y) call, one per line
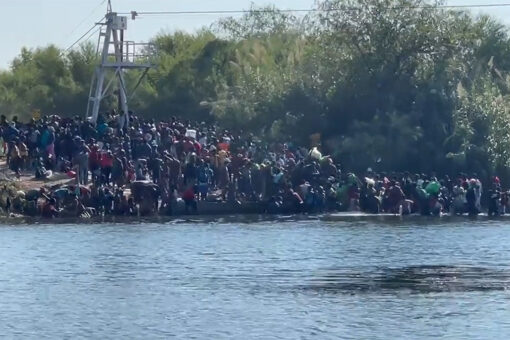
point(304, 279)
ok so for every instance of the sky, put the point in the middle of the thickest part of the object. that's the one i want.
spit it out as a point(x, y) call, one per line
point(36, 23)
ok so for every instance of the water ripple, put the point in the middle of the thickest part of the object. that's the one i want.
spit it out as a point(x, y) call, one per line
point(279, 279)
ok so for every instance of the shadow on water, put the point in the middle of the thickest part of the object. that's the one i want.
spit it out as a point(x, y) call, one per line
point(414, 279)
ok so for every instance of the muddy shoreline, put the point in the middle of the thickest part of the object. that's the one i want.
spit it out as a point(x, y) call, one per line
point(337, 219)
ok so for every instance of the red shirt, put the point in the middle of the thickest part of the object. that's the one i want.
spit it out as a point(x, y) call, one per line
point(198, 147)
point(94, 157)
point(188, 195)
point(107, 161)
point(224, 146)
point(188, 146)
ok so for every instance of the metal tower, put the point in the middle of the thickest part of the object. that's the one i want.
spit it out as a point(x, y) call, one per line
point(117, 56)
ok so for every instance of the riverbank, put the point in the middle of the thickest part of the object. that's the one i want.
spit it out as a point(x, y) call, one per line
point(16, 202)
point(213, 212)
point(27, 181)
point(254, 219)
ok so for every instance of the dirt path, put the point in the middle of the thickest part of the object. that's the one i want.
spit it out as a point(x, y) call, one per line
point(27, 180)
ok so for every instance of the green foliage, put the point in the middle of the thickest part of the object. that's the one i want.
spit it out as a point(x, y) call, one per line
point(390, 84)
point(260, 23)
point(44, 79)
point(483, 121)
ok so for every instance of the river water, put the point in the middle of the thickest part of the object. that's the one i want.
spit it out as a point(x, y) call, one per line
point(405, 279)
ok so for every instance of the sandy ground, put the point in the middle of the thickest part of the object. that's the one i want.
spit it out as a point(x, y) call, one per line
point(28, 181)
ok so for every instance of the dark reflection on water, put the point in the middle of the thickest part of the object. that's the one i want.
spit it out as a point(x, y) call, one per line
point(416, 279)
point(257, 278)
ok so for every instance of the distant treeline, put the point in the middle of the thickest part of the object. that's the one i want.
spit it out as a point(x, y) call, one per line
point(389, 84)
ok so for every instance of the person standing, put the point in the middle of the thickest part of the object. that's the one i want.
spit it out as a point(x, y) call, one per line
point(81, 160)
point(118, 170)
point(14, 158)
point(23, 153)
point(107, 161)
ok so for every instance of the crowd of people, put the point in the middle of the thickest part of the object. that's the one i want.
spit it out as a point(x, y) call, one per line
point(126, 165)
